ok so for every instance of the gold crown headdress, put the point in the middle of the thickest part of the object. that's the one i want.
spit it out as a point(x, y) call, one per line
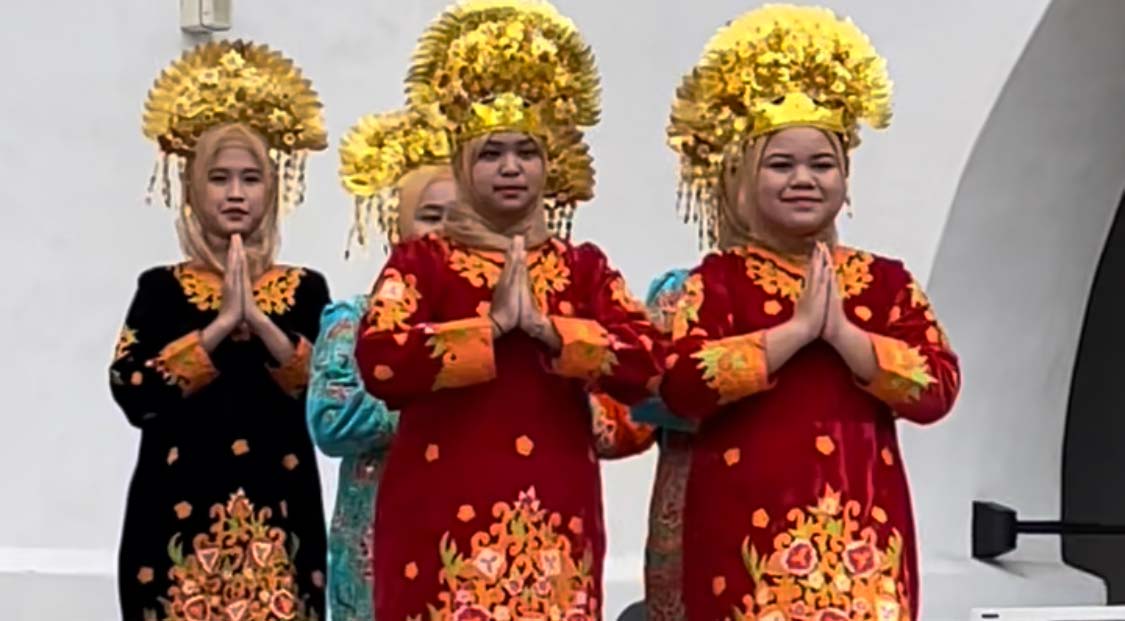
point(234, 82)
point(514, 65)
point(775, 67)
point(375, 155)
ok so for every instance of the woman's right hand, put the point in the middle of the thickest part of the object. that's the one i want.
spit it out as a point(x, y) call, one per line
point(505, 309)
point(231, 313)
point(811, 310)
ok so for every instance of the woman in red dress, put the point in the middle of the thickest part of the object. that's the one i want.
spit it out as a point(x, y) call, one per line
point(797, 355)
point(489, 338)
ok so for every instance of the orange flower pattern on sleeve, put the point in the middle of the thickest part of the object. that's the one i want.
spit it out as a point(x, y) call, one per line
point(522, 567)
point(465, 350)
point(293, 376)
point(734, 367)
point(395, 300)
point(904, 373)
point(185, 363)
point(586, 349)
point(126, 340)
point(831, 565)
point(620, 294)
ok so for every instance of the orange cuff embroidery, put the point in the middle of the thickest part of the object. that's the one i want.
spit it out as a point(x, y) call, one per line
point(293, 376)
point(465, 350)
point(734, 367)
point(586, 352)
point(185, 363)
point(904, 373)
point(614, 429)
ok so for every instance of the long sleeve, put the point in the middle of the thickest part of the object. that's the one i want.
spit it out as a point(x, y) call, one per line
point(402, 352)
point(293, 375)
point(918, 374)
point(611, 344)
point(158, 362)
point(711, 365)
point(343, 419)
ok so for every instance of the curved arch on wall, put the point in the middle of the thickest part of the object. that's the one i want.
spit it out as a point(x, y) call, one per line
point(1011, 280)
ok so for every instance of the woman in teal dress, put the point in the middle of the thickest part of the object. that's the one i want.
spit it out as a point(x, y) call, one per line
point(407, 199)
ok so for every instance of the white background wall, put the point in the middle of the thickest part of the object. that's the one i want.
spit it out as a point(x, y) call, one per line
point(76, 232)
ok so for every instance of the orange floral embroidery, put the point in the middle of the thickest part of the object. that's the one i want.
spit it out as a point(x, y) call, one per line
point(734, 367)
point(410, 571)
point(760, 519)
point(904, 372)
point(620, 294)
point(777, 276)
point(863, 313)
point(888, 456)
point(479, 271)
point(524, 446)
point(825, 445)
point(173, 455)
point(183, 510)
point(136, 378)
point(290, 462)
point(144, 576)
point(687, 308)
point(718, 585)
point(465, 350)
point(466, 513)
point(293, 376)
point(586, 352)
point(185, 363)
point(126, 339)
point(433, 452)
point(395, 300)
point(383, 372)
point(732, 456)
point(771, 307)
point(274, 293)
point(522, 567)
point(549, 274)
point(240, 448)
point(827, 565)
point(240, 569)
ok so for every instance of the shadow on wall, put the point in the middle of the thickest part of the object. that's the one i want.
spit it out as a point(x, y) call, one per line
point(1011, 280)
point(1093, 487)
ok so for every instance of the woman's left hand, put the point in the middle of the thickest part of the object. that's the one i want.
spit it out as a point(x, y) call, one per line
point(254, 315)
point(533, 320)
point(836, 320)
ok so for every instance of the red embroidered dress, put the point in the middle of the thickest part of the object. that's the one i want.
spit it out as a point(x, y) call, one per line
point(490, 505)
point(796, 504)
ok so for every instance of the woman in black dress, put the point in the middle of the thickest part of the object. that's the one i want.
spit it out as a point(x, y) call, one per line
point(224, 518)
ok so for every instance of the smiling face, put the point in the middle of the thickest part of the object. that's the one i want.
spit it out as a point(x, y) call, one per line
point(801, 183)
point(508, 174)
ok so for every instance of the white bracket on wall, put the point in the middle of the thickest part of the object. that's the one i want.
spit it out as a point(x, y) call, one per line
point(203, 16)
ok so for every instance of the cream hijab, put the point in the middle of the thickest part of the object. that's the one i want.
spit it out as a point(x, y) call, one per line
point(465, 224)
point(261, 245)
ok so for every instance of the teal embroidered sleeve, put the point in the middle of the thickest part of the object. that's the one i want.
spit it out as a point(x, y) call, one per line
point(663, 295)
point(343, 418)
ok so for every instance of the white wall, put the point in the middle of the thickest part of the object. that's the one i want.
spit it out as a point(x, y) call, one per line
point(77, 233)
